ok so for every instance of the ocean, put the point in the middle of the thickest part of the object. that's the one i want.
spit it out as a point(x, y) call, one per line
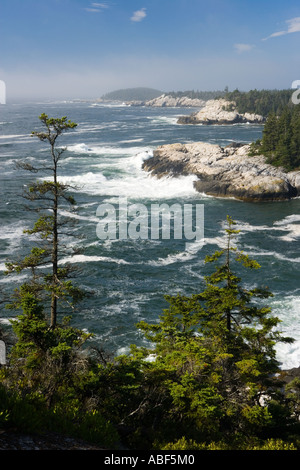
point(128, 278)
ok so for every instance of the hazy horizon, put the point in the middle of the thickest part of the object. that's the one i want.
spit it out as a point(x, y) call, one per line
point(63, 49)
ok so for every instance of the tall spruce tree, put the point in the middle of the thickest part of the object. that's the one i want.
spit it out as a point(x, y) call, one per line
point(46, 198)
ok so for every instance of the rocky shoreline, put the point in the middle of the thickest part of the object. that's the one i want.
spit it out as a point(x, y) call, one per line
point(167, 101)
point(220, 112)
point(225, 172)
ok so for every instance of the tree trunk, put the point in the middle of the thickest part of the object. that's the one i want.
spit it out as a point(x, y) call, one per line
point(55, 246)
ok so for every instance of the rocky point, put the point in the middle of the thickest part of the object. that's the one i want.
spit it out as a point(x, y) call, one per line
point(225, 172)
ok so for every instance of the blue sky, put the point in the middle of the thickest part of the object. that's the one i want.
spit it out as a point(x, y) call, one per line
point(60, 49)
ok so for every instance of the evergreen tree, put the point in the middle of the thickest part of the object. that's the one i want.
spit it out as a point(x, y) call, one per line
point(270, 134)
point(281, 142)
point(216, 349)
point(44, 354)
point(295, 138)
point(46, 197)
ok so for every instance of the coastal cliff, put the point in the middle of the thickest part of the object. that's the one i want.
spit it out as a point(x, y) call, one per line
point(220, 112)
point(225, 172)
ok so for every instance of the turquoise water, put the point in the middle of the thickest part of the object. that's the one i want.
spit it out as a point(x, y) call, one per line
point(129, 278)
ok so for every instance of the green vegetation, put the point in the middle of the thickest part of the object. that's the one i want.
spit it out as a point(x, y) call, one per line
point(281, 139)
point(132, 94)
point(207, 380)
point(147, 94)
point(47, 197)
point(200, 95)
point(260, 102)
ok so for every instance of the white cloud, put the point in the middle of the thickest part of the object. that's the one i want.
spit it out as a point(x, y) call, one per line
point(293, 27)
point(243, 47)
point(100, 5)
point(97, 7)
point(139, 15)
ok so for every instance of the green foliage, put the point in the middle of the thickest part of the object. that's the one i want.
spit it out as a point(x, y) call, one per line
point(270, 444)
point(206, 381)
point(215, 355)
point(30, 414)
point(133, 94)
point(275, 444)
point(281, 142)
point(40, 349)
point(261, 102)
point(55, 127)
point(51, 284)
point(196, 94)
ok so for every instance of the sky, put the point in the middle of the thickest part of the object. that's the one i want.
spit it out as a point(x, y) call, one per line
point(79, 49)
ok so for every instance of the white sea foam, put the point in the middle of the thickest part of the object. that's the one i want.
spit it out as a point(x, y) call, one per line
point(288, 224)
point(2, 267)
point(109, 105)
point(15, 136)
point(187, 254)
point(287, 309)
point(106, 150)
point(5, 321)
point(134, 182)
point(74, 215)
point(12, 234)
point(138, 185)
point(180, 257)
point(164, 119)
point(131, 141)
point(255, 251)
point(92, 259)
point(288, 220)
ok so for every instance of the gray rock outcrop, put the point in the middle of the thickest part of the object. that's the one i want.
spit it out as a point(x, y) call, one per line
point(225, 172)
point(220, 112)
point(168, 101)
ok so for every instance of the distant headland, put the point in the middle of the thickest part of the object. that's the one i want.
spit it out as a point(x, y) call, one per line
point(151, 97)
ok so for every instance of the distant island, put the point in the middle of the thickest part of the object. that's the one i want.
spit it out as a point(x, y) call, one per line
point(255, 102)
point(142, 96)
point(132, 94)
